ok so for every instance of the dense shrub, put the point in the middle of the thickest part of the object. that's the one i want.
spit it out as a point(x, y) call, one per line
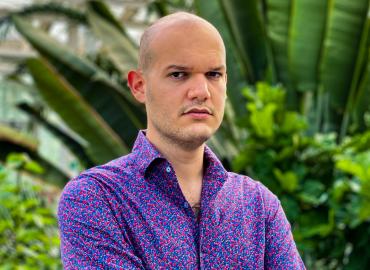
point(323, 186)
point(28, 228)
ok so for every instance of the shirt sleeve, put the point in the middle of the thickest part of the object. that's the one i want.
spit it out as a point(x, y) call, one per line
point(90, 235)
point(281, 251)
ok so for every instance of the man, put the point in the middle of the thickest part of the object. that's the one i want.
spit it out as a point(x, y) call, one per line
point(170, 204)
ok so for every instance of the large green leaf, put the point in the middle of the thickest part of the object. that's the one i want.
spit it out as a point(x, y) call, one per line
point(358, 99)
point(102, 9)
point(112, 101)
point(102, 143)
point(71, 143)
point(307, 25)
point(278, 14)
point(362, 98)
point(116, 45)
point(245, 23)
point(341, 44)
point(161, 7)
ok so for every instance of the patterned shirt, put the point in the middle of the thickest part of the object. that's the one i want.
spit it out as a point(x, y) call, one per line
point(131, 214)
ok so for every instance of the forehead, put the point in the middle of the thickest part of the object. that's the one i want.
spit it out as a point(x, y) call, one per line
point(185, 42)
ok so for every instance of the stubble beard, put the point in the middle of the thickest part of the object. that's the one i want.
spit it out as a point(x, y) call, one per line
point(178, 137)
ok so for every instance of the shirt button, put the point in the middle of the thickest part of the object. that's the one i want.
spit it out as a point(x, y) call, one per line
point(168, 169)
point(186, 205)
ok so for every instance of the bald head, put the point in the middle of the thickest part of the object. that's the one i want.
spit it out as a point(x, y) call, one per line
point(159, 29)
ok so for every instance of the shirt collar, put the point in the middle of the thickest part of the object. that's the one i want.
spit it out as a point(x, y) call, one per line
point(146, 152)
point(213, 165)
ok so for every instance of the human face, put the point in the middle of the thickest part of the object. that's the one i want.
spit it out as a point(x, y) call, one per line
point(185, 86)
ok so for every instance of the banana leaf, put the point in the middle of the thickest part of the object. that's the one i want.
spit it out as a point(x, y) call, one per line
point(48, 9)
point(307, 25)
point(362, 99)
point(355, 107)
point(341, 44)
point(103, 11)
point(111, 100)
point(160, 7)
point(245, 24)
point(277, 15)
point(103, 143)
point(116, 45)
point(71, 143)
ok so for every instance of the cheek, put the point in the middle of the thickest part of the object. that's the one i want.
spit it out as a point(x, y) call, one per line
point(220, 99)
point(160, 104)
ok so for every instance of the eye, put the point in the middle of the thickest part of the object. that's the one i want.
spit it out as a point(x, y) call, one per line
point(214, 74)
point(178, 74)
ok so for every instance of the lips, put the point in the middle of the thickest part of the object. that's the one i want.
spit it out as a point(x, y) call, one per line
point(198, 110)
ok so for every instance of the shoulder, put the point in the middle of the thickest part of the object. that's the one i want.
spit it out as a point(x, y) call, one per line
point(254, 191)
point(100, 180)
point(248, 184)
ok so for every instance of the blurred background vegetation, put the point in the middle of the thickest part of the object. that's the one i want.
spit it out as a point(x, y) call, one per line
point(297, 115)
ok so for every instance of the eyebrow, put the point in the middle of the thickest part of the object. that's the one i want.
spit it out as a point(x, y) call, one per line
point(178, 67)
point(222, 67)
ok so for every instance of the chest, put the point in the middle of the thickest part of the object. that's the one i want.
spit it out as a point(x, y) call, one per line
point(168, 233)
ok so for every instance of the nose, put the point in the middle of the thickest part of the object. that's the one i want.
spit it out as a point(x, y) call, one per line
point(199, 88)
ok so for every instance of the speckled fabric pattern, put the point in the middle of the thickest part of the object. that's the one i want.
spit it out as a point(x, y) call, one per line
point(131, 214)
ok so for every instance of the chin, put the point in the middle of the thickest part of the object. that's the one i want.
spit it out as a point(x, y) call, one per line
point(200, 134)
point(189, 137)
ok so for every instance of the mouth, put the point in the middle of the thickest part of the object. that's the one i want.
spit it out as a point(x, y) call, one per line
point(198, 110)
point(198, 113)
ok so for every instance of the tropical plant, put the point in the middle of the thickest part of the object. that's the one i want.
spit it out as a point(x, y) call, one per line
point(28, 230)
point(322, 185)
point(100, 109)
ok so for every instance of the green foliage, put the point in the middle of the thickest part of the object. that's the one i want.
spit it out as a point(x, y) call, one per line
point(94, 89)
point(319, 51)
point(28, 229)
point(323, 186)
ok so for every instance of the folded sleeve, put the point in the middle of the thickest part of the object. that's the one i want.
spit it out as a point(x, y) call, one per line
point(91, 237)
point(281, 251)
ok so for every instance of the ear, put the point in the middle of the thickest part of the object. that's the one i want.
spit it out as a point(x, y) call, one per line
point(136, 83)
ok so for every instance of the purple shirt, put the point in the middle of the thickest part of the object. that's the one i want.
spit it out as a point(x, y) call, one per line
point(131, 214)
